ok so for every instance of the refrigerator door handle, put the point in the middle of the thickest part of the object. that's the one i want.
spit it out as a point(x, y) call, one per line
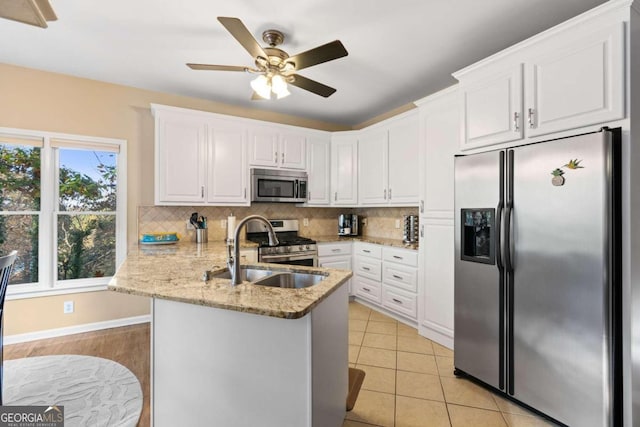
point(508, 259)
point(499, 242)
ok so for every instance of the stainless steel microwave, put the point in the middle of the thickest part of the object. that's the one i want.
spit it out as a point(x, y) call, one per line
point(271, 185)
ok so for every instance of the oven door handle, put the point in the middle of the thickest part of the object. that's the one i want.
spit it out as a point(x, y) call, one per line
point(296, 189)
point(286, 257)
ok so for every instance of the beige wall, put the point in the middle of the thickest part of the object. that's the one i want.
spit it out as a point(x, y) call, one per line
point(38, 100)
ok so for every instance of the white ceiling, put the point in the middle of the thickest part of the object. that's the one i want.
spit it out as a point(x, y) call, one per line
point(399, 51)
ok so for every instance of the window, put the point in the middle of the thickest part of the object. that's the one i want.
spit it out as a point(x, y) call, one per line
point(62, 206)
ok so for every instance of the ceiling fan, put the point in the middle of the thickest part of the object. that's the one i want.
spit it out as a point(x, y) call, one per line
point(32, 12)
point(274, 66)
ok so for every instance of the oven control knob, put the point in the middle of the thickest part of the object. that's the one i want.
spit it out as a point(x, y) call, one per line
point(307, 247)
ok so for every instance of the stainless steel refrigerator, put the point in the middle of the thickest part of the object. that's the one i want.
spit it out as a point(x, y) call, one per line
point(537, 276)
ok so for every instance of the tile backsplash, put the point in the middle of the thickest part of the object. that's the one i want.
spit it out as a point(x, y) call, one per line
point(322, 221)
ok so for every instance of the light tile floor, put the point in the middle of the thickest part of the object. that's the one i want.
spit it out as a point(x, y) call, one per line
point(409, 381)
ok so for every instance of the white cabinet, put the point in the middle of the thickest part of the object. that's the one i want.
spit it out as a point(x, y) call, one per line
point(180, 147)
point(227, 181)
point(388, 163)
point(344, 169)
point(440, 141)
point(319, 170)
point(492, 109)
point(404, 184)
point(273, 147)
point(367, 271)
point(373, 161)
point(387, 277)
point(576, 84)
point(200, 158)
point(336, 255)
point(566, 80)
point(400, 281)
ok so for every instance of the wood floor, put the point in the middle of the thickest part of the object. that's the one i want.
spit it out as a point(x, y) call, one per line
point(128, 345)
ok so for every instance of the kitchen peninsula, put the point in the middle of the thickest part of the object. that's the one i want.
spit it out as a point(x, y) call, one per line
point(243, 355)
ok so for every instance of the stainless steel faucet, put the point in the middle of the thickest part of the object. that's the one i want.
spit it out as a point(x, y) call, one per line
point(233, 248)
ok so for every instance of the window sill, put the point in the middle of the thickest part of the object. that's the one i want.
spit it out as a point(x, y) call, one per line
point(16, 292)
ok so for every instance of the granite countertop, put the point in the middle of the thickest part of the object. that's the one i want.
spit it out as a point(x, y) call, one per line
point(174, 272)
point(396, 243)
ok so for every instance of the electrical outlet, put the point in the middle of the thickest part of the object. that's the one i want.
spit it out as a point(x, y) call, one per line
point(190, 226)
point(305, 222)
point(223, 223)
point(397, 223)
point(68, 307)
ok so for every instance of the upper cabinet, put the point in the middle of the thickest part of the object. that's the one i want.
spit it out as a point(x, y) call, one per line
point(558, 81)
point(271, 147)
point(388, 163)
point(200, 158)
point(227, 181)
point(344, 169)
point(180, 148)
point(319, 169)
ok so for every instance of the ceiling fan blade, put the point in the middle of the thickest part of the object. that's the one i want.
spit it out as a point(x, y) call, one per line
point(211, 67)
point(318, 55)
point(311, 85)
point(256, 97)
point(32, 12)
point(240, 32)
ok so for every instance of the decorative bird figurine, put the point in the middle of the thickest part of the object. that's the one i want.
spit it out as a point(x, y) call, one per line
point(574, 164)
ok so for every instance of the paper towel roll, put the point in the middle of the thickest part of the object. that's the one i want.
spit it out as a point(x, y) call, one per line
point(231, 226)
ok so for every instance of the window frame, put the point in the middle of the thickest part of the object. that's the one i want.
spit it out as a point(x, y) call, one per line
point(48, 283)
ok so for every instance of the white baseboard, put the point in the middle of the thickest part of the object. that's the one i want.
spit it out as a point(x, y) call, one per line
point(437, 333)
point(77, 329)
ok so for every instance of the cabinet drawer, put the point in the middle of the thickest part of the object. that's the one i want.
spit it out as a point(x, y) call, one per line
point(400, 276)
point(401, 302)
point(369, 268)
point(367, 289)
point(331, 249)
point(401, 256)
point(368, 250)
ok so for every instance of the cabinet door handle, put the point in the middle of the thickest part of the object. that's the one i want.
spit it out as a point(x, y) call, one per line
point(202, 191)
point(516, 122)
point(366, 289)
point(335, 250)
point(397, 257)
point(335, 196)
point(385, 194)
point(422, 231)
point(309, 196)
point(245, 192)
point(389, 193)
point(421, 206)
point(283, 157)
point(367, 251)
point(395, 276)
point(275, 157)
point(366, 268)
point(396, 300)
point(530, 118)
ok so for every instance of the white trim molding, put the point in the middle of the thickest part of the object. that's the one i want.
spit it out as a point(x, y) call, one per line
point(76, 329)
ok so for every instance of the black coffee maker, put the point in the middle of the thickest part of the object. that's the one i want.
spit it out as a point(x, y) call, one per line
point(348, 225)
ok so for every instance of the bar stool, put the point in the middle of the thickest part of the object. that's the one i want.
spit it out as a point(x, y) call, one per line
point(6, 264)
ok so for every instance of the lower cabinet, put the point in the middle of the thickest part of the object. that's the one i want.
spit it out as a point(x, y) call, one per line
point(387, 277)
point(336, 255)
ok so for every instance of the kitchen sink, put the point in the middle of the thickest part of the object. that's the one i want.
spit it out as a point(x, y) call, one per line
point(246, 274)
point(290, 280)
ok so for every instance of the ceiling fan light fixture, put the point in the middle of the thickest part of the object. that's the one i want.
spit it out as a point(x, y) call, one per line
point(262, 86)
point(279, 86)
